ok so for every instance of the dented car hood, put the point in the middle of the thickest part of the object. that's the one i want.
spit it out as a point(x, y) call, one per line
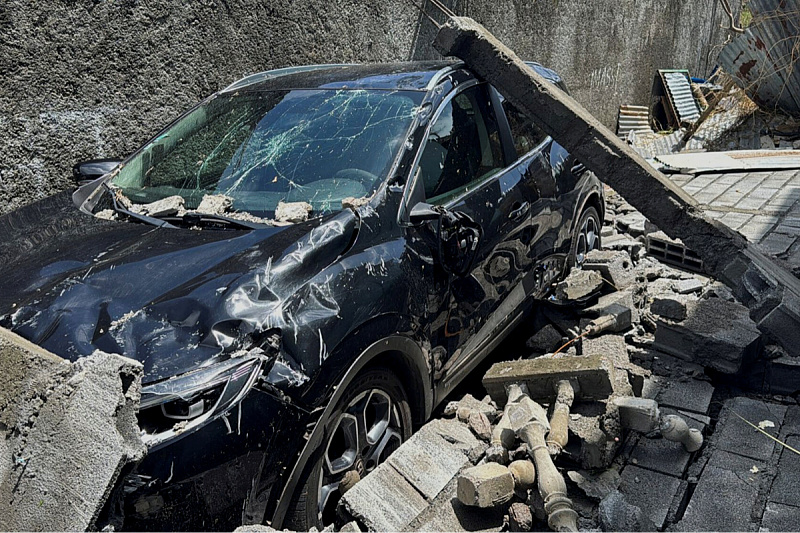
point(173, 299)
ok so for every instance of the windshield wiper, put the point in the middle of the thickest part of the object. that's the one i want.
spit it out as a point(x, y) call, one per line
point(208, 219)
point(141, 218)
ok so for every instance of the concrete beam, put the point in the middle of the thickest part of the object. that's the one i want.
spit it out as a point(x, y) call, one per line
point(66, 432)
point(771, 293)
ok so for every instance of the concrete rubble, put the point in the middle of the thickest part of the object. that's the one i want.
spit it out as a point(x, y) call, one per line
point(633, 457)
point(68, 430)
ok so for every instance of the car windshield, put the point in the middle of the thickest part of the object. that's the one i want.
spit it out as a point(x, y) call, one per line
point(262, 148)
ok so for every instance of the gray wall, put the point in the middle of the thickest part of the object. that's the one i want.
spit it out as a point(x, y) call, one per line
point(85, 79)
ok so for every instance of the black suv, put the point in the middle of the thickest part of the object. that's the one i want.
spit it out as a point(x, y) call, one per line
point(305, 264)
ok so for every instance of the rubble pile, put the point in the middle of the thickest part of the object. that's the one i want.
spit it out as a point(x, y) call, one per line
point(653, 340)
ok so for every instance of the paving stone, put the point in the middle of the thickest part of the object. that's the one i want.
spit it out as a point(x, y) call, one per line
point(384, 500)
point(693, 395)
point(738, 464)
point(736, 436)
point(786, 486)
point(782, 376)
point(428, 462)
point(779, 517)
point(650, 491)
point(722, 501)
point(717, 334)
point(662, 455)
point(791, 422)
point(616, 513)
point(777, 243)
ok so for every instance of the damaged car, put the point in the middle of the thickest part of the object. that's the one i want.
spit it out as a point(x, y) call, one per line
point(306, 264)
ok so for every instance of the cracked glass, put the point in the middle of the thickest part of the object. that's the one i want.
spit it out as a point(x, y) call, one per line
point(262, 148)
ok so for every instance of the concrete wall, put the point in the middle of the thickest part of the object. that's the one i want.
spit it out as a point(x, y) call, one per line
point(95, 78)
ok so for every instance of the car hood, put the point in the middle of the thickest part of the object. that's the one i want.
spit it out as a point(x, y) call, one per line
point(172, 299)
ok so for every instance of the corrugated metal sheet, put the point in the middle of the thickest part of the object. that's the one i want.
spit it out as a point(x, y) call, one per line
point(633, 118)
point(766, 58)
point(680, 91)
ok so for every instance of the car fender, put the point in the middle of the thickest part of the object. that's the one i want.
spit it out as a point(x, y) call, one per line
point(393, 343)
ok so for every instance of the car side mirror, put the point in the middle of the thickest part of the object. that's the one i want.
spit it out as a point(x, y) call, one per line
point(423, 212)
point(87, 171)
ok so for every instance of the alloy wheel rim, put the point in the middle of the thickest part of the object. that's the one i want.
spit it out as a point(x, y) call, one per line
point(366, 432)
point(587, 240)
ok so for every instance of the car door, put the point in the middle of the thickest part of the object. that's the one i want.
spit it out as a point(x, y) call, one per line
point(484, 234)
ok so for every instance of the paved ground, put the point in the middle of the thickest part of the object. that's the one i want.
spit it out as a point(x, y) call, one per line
point(763, 206)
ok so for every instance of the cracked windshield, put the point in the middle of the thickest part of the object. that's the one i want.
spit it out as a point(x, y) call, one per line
point(256, 150)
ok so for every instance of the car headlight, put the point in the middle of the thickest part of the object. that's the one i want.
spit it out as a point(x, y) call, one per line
point(182, 404)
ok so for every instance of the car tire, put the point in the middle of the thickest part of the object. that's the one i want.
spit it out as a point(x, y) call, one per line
point(374, 398)
point(586, 238)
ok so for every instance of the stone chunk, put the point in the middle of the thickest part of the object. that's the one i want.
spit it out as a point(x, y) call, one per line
point(611, 304)
point(616, 514)
point(480, 425)
point(66, 432)
point(384, 500)
point(546, 340)
point(215, 204)
point(716, 334)
point(520, 517)
point(578, 285)
point(596, 486)
point(615, 267)
point(672, 306)
point(456, 434)
point(292, 212)
point(171, 205)
point(427, 462)
point(468, 404)
point(485, 485)
point(687, 286)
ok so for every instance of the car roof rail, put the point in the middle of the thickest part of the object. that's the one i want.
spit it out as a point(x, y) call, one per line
point(276, 73)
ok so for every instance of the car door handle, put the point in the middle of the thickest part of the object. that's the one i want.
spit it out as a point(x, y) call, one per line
point(519, 210)
point(578, 169)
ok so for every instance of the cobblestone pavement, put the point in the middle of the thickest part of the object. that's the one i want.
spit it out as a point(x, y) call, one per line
point(763, 206)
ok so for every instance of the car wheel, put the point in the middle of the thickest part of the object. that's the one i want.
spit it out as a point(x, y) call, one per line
point(370, 421)
point(586, 238)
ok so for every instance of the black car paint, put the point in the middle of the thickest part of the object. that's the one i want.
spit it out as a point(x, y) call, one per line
point(346, 290)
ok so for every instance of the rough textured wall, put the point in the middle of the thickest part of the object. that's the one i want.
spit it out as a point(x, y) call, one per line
point(92, 78)
point(96, 78)
point(607, 50)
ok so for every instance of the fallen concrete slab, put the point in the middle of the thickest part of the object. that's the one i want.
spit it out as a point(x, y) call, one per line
point(771, 293)
point(66, 432)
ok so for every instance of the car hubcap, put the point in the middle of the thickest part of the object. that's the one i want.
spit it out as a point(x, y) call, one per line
point(368, 430)
point(587, 240)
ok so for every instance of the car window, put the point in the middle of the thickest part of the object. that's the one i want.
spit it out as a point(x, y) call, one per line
point(526, 134)
point(463, 147)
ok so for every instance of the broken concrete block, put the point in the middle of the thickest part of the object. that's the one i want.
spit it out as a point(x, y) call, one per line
point(485, 485)
point(354, 203)
point(454, 432)
point(384, 500)
point(520, 517)
point(687, 286)
point(480, 425)
point(597, 448)
point(350, 527)
point(546, 340)
point(579, 284)
point(613, 304)
point(292, 212)
point(624, 243)
point(616, 267)
point(638, 414)
point(652, 492)
point(616, 514)
point(672, 306)
point(67, 429)
point(468, 404)
point(427, 462)
point(171, 205)
point(215, 204)
point(716, 333)
point(633, 223)
point(596, 486)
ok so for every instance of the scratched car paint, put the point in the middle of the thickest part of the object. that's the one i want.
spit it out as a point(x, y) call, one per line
point(251, 331)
